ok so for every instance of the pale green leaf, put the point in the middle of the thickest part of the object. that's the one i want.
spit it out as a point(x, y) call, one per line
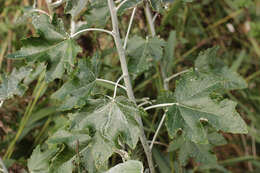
point(39, 161)
point(97, 14)
point(116, 120)
point(144, 52)
point(131, 166)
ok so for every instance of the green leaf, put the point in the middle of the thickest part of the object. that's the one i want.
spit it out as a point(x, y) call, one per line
point(39, 161)
point(131, 166)
point(74, 93)
point(53, 46)
point(201, 153)
point(115, 120)
point(208, 62)
point(75, 7)
point(98, 14)
point(162, 160)
point(12, 84)
point(89, 139)
point(194, 106)
point(143, 52)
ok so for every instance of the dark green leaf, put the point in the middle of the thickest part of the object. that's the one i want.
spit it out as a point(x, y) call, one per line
point(12, 84)
point(200, 152)
point(208, 62)
point(53, 46)
point(195, 106)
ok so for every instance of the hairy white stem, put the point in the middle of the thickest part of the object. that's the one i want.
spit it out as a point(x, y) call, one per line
point(155, 16)
point(149, 17)
point(1, 103)
point(130, 93)
point(4, 169)
point(117, 85)
point(72, 26)
point(157, 131)
point(111, 82)
point(145, 103)
point(91, 29)
point(40, 11)
point(175, 75)
point(160, 106)
point(121, 3)
point(150, 20)
point(120, 49)
point(57, 3)
point(129, 27)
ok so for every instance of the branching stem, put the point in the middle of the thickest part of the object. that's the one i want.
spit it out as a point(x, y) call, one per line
point(157, 131)
point(130, 93)
point(121, 3)
point(91, 29)
point(41, 11)
point(160, 106)
point(111, 82)
point(175, 75)
point(57, 3)
point(117, 85)
point(129, 27)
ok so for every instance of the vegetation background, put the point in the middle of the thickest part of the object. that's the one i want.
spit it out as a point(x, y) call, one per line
point(233, 25)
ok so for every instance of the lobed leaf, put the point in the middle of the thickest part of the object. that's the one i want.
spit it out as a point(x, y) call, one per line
point(74, 93)
point(195, 106)
point(53, 46)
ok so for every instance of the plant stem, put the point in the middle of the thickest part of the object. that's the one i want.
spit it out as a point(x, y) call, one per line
point(41, 11)
point(160, 106)
point(91, 29)
point(117, 85)
point(150, 20)
point(238, 159)
point(158, 129)
point(175, 75)
point(130, 93)
point(129, 27)
point(111, 82)
point(41, 85)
